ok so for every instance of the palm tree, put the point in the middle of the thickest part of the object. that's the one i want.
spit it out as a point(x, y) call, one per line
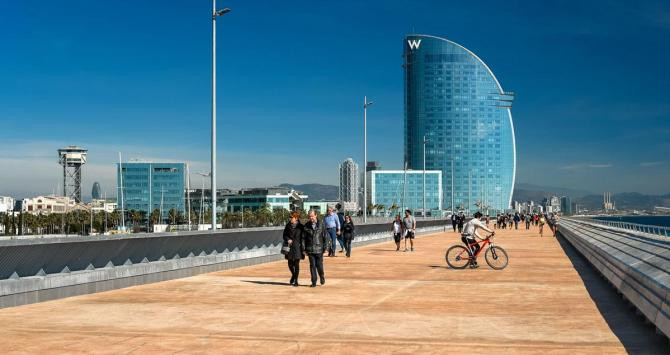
point(280, 216)
point(136, 218)
point(172, 216)
point(155, 216)
point(263, 216)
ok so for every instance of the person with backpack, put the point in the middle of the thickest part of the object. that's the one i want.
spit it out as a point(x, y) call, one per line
point(517, 219)
point(293, 248)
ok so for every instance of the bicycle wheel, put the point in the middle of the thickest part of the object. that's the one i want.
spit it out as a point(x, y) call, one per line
point(457, 257)
point(496, 257)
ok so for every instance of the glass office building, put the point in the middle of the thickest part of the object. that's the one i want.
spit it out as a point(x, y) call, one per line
point(147, 186)
point(454, 101)
point(404, 190)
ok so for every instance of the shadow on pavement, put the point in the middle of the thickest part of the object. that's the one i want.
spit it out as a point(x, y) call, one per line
point(636, 336)
point(275, 283)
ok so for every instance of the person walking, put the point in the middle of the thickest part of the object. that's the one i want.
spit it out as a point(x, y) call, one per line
point(348, 234)
point(314, 236)
point(396, 229)
point(461, 221)
point(541, 222)
point(517, 219)
point(528, 218)
point(340, 217)
point(293, 239)
point(409, 228)
point(454, 220)
point(554, 222)
point(333, 227)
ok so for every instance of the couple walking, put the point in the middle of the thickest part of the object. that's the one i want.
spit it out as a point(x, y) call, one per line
point(340, 229)
point(310, 239)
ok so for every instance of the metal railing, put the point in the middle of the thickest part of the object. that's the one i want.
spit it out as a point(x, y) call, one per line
point(389, 219)
point(635, 227)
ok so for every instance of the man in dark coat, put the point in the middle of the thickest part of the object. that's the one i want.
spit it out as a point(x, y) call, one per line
point(293, 239)
point(314, 235)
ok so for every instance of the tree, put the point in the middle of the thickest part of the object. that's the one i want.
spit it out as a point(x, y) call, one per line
point(155, 216)
point(280, 216)
point(263, 216)
point(135, 217)
point(172, 216)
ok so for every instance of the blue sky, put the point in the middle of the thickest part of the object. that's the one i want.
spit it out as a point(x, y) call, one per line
point(591, 81)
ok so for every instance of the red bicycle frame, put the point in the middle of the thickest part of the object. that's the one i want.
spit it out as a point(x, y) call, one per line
point(484, 243)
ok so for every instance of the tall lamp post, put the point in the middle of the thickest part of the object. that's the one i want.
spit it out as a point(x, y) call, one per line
point(366, 103)
point(424, 174)
point(215, 13)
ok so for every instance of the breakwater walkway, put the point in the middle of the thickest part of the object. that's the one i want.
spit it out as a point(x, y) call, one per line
point(547, 300)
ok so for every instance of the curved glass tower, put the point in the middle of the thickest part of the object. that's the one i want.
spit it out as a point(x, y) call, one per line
point(455, 103)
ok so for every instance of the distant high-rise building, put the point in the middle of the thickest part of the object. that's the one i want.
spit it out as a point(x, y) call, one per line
point(454, 103)
point(566, 205)
point(95, 191)
point(147, 186)
point(349, 181)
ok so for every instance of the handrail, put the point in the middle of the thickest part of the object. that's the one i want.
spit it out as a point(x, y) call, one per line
point(635, 227)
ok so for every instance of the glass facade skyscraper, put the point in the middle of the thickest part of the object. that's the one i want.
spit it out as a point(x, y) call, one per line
point(148, 186)
point(454, 101)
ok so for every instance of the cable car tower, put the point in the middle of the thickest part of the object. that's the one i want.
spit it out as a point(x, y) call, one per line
point(72, 158)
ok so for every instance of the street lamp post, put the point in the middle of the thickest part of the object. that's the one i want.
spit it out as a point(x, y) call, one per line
point(366, 103)
point(215, 14)
point(201, 219)
point(424, 174)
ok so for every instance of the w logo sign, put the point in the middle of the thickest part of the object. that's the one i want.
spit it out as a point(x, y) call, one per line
point(413, 43)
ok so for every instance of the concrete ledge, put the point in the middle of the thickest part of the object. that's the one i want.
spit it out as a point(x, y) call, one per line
point(637, 266)
point(31, 289)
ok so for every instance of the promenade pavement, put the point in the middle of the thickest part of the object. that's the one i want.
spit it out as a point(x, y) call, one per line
point(377, 301)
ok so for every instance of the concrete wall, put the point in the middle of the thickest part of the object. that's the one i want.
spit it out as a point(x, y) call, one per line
point(636, 264)
point(37, 270)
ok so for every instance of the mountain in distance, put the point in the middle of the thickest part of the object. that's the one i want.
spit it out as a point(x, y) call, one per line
point(316, 192)
point(590, 200)
point(526, 192)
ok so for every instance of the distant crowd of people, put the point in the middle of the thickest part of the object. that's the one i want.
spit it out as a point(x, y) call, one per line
point(509, 220)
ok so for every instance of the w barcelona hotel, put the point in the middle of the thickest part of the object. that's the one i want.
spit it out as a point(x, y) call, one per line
point(457, 107)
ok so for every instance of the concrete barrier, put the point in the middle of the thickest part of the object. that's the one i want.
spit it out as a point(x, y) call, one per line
point(636, 264)
point(35, 270)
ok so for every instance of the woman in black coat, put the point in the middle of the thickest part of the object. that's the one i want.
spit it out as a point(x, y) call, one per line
point(348, 234)
point(293, 239)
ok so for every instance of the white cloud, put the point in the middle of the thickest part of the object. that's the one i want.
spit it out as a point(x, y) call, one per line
point(583, 166)
point(648, 164)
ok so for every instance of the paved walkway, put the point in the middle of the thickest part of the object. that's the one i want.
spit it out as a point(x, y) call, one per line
point(378, 301)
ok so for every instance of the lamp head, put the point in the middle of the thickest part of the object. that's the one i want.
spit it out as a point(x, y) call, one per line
point(221, 12)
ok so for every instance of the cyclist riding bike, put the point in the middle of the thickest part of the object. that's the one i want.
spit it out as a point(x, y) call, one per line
point(470, 236)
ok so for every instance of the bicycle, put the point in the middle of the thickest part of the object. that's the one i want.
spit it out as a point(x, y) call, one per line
point(458, 256)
